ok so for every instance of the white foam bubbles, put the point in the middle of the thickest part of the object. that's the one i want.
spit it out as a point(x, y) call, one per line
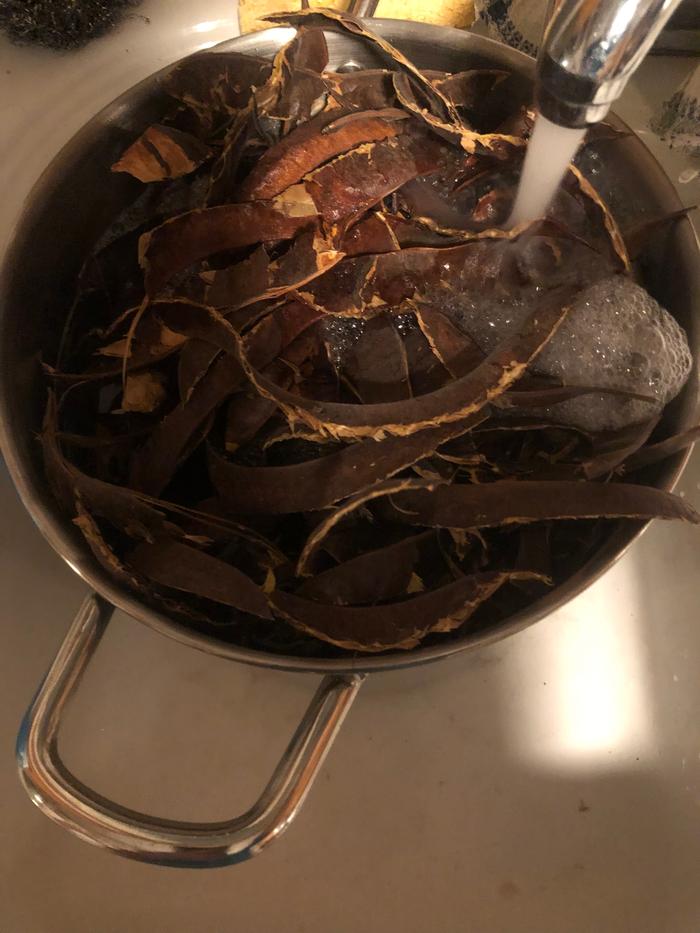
point(340, 335)
point(617, 335)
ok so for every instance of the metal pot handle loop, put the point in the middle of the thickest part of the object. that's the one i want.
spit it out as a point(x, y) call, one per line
point(95, 819)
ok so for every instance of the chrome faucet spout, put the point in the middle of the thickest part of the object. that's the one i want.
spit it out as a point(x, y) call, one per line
point(591, 48)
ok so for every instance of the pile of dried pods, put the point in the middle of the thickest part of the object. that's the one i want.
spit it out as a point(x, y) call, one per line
point(261, 418)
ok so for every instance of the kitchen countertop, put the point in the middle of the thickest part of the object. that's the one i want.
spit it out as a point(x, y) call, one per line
point(548, 783)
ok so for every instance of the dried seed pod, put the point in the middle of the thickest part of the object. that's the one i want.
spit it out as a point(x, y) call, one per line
point(162, 152)
point(392, 625)
point(523, 501)
point(316, 484)
point(181, 567)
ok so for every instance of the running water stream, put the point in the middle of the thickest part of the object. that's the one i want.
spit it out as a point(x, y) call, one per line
point(549, 152)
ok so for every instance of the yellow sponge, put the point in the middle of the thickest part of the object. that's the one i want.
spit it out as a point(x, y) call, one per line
point(458, 13)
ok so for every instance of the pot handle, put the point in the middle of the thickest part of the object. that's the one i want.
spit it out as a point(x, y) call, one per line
point(61, 796)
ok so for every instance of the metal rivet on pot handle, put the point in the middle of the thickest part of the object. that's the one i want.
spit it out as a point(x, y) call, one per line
point(136, 835)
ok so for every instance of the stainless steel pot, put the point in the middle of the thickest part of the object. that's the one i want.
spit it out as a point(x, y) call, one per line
point(71, 204)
